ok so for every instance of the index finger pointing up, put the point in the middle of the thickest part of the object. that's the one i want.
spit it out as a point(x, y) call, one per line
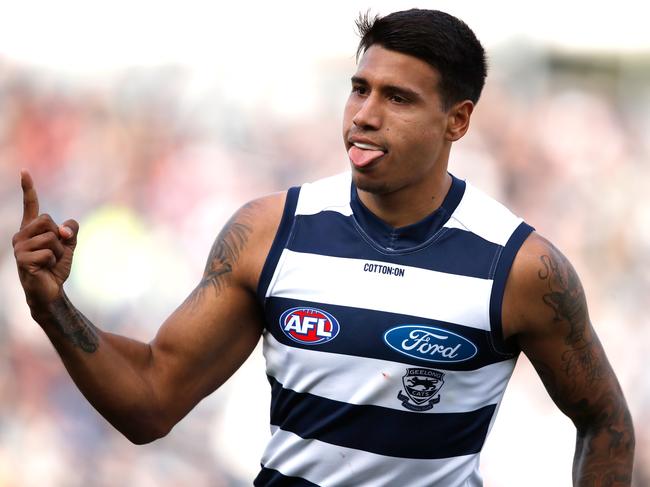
point(30, 198)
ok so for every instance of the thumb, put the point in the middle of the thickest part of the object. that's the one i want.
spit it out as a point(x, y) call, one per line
point(68, 231)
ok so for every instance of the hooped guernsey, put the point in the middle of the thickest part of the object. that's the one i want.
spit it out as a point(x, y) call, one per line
point(384, 346)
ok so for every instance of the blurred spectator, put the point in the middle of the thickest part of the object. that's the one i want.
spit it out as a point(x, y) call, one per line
point(152, 173)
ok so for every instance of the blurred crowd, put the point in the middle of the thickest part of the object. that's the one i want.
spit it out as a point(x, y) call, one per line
point(152, 166)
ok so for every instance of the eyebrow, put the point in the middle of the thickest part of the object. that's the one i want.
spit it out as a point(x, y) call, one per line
point(400, 90)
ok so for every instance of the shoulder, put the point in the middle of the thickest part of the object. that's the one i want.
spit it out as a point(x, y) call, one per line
point(541, 288)
point(246, 238)
point(261, 216)
point(484, 216)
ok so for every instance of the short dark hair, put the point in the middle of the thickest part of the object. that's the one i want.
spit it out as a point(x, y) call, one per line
point(437, 38)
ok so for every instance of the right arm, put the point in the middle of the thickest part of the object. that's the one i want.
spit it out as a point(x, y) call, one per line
point(144, 389)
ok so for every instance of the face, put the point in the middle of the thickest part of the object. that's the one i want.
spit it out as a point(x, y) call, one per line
point(394, 128)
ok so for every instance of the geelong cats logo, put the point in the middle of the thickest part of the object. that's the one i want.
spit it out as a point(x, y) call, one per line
point(421, 385)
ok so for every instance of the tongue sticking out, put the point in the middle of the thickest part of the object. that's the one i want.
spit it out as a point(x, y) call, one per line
point(363, 157)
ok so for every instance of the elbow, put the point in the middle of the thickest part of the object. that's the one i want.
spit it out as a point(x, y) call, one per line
point(615, 431)
point(144, 432)
point(144, 421)
point(628, 432)
point(143, 437)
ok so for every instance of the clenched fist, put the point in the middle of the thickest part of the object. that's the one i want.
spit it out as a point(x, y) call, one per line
point(43, 250)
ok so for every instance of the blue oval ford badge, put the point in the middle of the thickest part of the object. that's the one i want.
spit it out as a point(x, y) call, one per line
point(429, 343)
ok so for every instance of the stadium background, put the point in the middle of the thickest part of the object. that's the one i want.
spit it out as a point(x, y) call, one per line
point(151, 122)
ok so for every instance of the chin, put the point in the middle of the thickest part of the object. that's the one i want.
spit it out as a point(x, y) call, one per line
point(370, 185)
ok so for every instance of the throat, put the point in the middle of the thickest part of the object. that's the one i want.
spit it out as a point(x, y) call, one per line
point(406, 207)
point(397, 231)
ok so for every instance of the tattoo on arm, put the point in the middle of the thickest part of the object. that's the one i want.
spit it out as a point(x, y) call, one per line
point(224, 255)
point(74, 326)
point(566, 298)
point(591, 396)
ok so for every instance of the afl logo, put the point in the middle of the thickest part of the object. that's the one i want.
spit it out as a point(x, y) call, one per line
point(309, 326)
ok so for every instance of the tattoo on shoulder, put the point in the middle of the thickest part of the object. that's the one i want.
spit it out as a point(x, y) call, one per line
point(75, 326)
point(224, 254)
point(566, 298)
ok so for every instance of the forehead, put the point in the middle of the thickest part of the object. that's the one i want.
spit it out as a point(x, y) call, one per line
point(382, 66)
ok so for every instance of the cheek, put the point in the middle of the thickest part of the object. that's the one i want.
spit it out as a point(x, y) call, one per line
point(412, 135)
point(349, 111)
point(412, 128)
point(417, 143)
point(428, 134)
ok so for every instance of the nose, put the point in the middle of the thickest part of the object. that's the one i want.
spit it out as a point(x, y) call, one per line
point(368, 116)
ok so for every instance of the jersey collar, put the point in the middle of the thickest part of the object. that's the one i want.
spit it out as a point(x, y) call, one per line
point(399, 239)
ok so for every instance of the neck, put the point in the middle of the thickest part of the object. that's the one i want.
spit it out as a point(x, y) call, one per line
point(410, 204)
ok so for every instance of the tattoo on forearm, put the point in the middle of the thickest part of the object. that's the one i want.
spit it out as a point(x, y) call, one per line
point(566, 298)
point(605, 439)
point(74, 325)
point(604, 453)
point(224, 255)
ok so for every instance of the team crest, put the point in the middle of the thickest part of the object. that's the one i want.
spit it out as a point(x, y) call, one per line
point(421, 385)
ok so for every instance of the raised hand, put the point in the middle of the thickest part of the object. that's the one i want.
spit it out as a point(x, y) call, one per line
point(43, 249)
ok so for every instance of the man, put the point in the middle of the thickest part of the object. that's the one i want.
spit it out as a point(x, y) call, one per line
point(393, 300)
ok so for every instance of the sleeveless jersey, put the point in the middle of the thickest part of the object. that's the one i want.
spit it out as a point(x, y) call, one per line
point(383, 345)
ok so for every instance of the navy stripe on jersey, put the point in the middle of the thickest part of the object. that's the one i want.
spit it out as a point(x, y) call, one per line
point(379, 430)
point(362, 334)
point(279, 242)
point(272, 478)
point(333, 234)
point(508, 254)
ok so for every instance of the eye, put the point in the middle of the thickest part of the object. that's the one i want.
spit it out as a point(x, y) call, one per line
point(398, 99)
point(359, 90)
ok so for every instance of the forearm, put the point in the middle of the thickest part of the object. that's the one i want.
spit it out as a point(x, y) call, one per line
point(605, 452)
point(111, 371)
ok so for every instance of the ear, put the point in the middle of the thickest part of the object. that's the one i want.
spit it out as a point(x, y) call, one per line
point(458, 120)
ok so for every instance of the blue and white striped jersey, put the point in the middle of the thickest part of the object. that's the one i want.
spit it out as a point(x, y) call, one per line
point(383, 345)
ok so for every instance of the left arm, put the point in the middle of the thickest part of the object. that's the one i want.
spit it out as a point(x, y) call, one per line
point(545, 310)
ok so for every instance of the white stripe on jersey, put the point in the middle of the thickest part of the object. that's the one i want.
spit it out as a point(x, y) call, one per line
point(487, 218)
point(327, 190)
point(368, 381)
point(342, 281)
point(330, 465)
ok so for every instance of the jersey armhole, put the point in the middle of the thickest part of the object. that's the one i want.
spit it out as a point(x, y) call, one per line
point(279, 242)
point(501, 273)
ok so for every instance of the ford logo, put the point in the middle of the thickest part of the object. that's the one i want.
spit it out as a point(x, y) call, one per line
point(429, 343)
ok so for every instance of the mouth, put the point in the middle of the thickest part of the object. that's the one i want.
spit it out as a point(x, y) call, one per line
point(362, 154)
point(368, 146)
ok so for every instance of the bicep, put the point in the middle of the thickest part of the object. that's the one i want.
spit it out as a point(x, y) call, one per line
point(216, 328)
point(202, 344)
point(546, 300)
